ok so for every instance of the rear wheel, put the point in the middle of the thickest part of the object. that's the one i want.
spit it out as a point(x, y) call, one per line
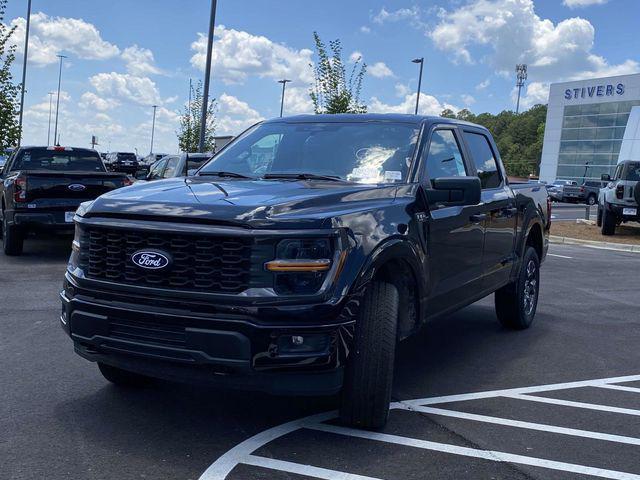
point(366, 393)
point(599, 216)
point(517, 302)
point(608, 226)
point(591, 199)
point(12, 238)
point(121, 377)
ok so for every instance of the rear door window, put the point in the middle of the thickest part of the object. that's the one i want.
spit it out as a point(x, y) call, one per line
point(484, 159)
point(58, 161)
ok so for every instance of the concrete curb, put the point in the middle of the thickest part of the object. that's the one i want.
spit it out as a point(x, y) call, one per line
point(620, 247)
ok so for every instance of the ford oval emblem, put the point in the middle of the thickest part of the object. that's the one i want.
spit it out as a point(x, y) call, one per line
point(150, 259)
point(76, 187)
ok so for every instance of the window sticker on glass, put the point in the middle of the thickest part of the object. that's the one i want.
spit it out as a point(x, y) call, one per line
point(392, 175)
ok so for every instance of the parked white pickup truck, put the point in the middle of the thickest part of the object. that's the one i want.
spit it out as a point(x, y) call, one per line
point(619, 201)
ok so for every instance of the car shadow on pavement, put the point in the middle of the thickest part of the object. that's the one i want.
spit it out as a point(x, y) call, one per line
point(48, 248)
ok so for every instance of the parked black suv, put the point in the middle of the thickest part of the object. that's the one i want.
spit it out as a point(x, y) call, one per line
point(300, 254)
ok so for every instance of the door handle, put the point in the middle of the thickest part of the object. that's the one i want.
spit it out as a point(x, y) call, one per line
point(478, 217)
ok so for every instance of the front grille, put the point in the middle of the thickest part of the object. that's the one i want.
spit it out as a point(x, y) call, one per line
point(148, 332)
point(200, 263)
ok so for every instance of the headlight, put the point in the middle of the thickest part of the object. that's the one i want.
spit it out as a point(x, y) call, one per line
point(74, 258)
point(301, 265)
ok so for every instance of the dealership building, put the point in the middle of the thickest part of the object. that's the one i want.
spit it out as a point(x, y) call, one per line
point(585, 128)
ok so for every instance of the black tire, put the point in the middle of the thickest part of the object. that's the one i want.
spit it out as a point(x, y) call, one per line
point(123, 378)
point(608, 226)
point(599, 217)
point(12, 238)
point(591, 200)
point(366, 392)
point(517, 302)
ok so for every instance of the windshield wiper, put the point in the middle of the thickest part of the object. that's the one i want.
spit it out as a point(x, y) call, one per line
point(224, 174)
point(304, 176)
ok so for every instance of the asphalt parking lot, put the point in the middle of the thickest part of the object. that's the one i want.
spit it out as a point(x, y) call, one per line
point(473, 401)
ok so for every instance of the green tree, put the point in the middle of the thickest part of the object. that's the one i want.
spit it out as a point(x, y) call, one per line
point(189, 131)
point(333, 92)
point(448, 113)
point(9, 129)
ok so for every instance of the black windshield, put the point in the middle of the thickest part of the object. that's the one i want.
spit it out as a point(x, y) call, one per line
point(363, 152)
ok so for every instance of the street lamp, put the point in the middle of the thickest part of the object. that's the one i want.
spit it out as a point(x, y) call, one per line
point(284, 84)
point(51, 94)
point(24, 70)
point(207, 74)
point(55, 130)
point(153, 127)
point(521, 76)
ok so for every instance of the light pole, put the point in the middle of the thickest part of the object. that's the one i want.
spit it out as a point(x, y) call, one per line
point(24, 70)
point(153, 127)
point(207, 75)
point(421, 62)
point(521, 76)
point(49, 128)
point(284, 82)
point(55, 130)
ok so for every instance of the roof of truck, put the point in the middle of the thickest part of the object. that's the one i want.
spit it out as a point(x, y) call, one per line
point(369, 117)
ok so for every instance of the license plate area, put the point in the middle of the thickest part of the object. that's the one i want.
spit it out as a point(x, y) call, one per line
point(630, 211)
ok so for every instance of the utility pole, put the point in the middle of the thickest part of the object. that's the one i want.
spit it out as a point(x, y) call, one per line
point(153, 127)
point(421, 62)
point(24, 70)
point(55, 130)
point(284, 84)
point(49, 129)
point(207, 75)
point(521, 76)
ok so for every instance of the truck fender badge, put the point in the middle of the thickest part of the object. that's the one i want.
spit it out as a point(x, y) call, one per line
point(76, 187)
point(150, 259)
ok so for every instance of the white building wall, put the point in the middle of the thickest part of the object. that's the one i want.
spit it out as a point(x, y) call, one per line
point(630, 149)
point(558, 100)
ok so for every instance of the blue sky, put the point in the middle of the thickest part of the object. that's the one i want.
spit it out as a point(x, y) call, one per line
point(124, 56)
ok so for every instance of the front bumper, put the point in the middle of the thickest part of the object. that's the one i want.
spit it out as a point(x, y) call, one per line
point(228, 345)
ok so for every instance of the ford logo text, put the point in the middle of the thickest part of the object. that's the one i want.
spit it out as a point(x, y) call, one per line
point(76, 187)
point(151, 260)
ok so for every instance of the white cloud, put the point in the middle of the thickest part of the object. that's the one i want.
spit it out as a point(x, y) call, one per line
point(467, 99)
point(582, 3)
point(429, 105)
point(484, 84)
point(49, 36)
point(412, 14)
point(238, 54)
point(140, 90)
point(513, 33)
point(401, 89)
point(355, 56)
point(297, 101)
point(379, 70)
point(534, 93)
point(139, 61)
point(234, 115)
point(365, 29)
point(90, 100)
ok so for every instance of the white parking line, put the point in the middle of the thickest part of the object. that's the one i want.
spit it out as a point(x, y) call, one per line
point(622, 388)
point(569, 403)
point(300, 469)
point(473, 452)
point(556, 255)
point(243, 453)
point(527, 425)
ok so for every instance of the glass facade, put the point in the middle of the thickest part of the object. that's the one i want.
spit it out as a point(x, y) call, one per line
point(591, 139)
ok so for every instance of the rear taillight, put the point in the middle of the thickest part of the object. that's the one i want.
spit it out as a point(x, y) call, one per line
point(620, 191)
point(20, 189)
point(582, 189)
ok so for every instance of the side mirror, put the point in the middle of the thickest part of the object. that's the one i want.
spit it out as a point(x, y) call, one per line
point(450, 191)
point(605, 177)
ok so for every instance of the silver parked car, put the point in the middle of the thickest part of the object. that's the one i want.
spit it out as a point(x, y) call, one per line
point(619, 201)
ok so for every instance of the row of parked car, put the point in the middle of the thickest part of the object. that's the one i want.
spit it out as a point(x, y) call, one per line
point(570, 191)
point(42, 187)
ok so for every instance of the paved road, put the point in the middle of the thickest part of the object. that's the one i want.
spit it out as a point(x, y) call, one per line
point(569, 211)
point(60, 420)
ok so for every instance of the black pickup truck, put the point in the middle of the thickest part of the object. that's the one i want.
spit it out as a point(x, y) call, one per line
point(42, 187)
point(296, 259)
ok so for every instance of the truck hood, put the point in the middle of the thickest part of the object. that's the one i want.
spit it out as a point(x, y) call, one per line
point(249, 203)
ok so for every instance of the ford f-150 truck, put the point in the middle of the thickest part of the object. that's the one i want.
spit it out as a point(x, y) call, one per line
point(42, 187)
point(296, 259)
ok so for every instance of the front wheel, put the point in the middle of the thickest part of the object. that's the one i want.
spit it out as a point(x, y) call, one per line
point(608, 221)
point(599, 217)
point(366, 393)
point(517, 302)
point(591, 200)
